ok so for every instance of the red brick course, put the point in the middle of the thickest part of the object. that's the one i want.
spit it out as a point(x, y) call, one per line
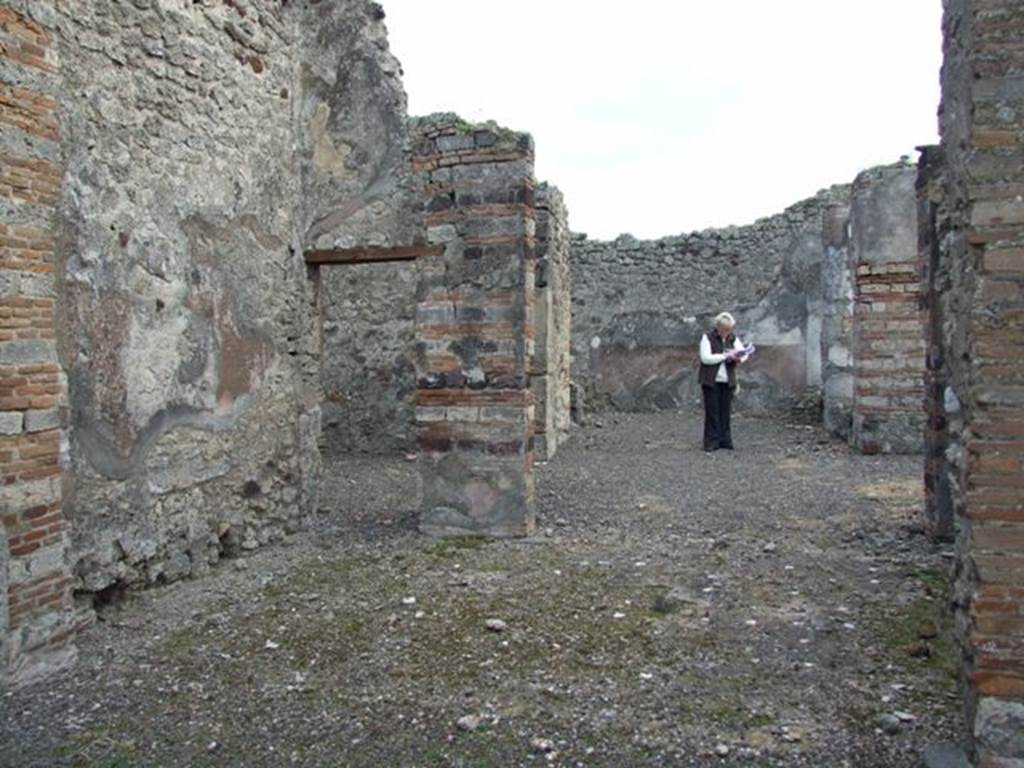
point(25, 249)
point(27, 111)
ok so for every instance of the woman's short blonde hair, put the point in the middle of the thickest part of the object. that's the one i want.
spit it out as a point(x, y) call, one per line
point(725, 320)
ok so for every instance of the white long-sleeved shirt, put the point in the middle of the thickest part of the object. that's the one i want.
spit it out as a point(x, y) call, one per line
point(709, 358)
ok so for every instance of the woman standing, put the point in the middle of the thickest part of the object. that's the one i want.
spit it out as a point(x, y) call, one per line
point(720, 353)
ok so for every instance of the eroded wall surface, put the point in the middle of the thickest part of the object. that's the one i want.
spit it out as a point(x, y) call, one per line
point(982, 314)
point(640, 308)
point(352, 143)
point(208, 145)
point(550, 377)
point(183, 299)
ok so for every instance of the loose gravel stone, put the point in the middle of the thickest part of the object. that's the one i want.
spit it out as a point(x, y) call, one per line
point(469, 722)
point(542, 745)
point(890, 724)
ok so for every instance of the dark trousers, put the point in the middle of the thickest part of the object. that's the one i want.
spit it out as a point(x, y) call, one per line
point(717, 417)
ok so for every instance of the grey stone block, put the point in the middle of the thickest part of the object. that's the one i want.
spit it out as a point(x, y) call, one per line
point(21, 144)
point(883, 216)
point(15, 283)
point(27, 352)
point(26, 214)
point(178, 567)
point(485, 139)
point(455, 143)
point(11, 423)
point(30, 494)
point(999, 727)
point(39, 421)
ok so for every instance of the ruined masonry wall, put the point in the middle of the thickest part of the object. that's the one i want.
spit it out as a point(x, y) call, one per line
point(188, 321)
point(153, 251)
point(475, 328)
point(550, 378)
point(888, 338)
point(181, 296)
point(36, 612)
point(640, 307)
point(982, 315)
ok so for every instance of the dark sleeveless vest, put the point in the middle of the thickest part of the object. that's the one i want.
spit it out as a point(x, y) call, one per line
point(708, 372)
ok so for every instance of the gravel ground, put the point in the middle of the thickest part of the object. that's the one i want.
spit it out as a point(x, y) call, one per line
point(773, 606)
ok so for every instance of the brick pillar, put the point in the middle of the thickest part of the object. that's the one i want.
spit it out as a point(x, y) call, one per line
point(888, 346)
point(983, 334)
point(474, 329)
point(38, 616)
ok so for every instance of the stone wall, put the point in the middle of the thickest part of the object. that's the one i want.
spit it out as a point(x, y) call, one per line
point(640, 307)
point(982, 314)
point(206, 146)
point(353, 145)
point(888, 338)
point(182, 296)
point(550, 377)
point(36, 614)
point(156, 250)
point(369, 343)
point(475, 328)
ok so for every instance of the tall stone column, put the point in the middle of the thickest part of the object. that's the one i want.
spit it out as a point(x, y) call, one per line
point(474, 329)
point(36, 614)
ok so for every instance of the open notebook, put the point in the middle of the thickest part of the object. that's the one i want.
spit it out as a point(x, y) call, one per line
point(743, 354)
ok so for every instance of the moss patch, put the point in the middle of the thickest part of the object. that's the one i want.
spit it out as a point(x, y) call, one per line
point(447, 549)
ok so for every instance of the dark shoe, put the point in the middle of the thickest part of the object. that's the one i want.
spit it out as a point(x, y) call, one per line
point(710, 448)
point(726, 447)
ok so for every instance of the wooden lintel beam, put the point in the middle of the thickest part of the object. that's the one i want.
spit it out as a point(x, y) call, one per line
point(371, 254)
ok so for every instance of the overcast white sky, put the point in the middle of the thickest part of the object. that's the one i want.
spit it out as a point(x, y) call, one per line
point(657, 117)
